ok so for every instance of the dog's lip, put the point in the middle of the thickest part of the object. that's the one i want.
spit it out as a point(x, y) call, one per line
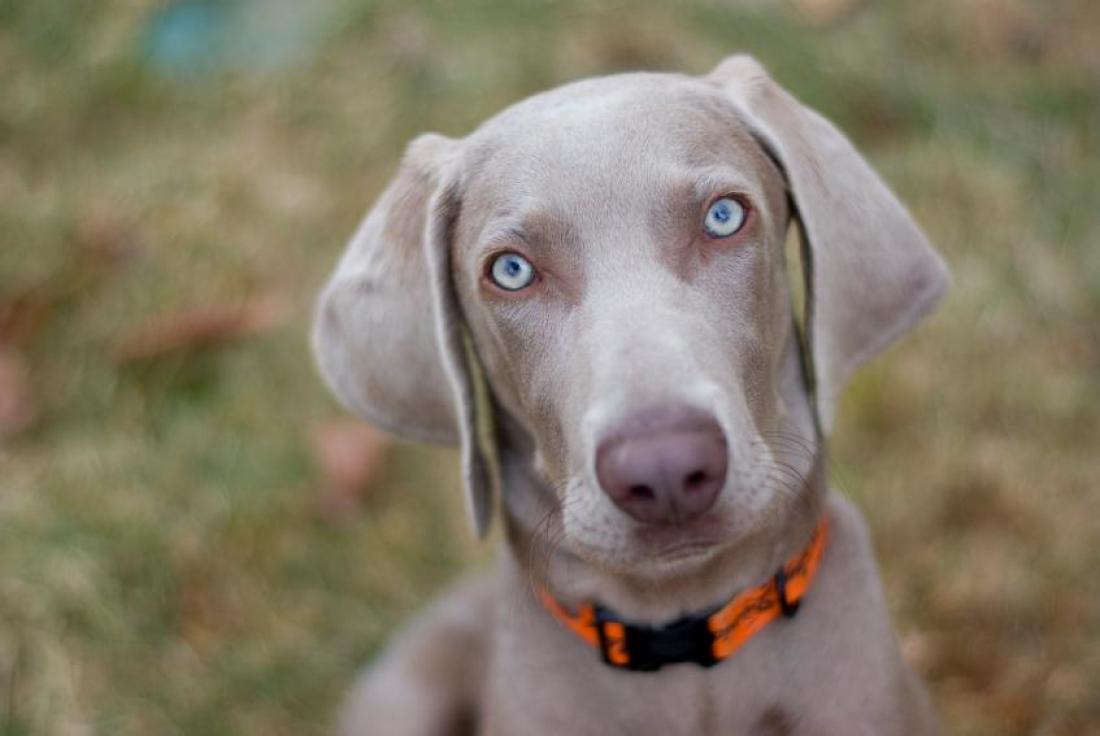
point(664, 550)
point(685, 552)
point(680, 541)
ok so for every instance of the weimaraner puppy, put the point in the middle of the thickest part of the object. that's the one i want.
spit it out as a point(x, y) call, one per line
point(589, 295)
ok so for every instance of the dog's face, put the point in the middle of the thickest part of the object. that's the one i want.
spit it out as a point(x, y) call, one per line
point(610, 257)
point(620, 265)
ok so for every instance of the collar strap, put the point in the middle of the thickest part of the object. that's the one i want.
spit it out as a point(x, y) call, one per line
point(704, 639)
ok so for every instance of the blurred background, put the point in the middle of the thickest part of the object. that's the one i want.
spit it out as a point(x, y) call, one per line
point(194, 539)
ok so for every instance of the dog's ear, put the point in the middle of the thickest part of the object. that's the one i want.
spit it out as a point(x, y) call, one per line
point(872, 275)
point(388, 334)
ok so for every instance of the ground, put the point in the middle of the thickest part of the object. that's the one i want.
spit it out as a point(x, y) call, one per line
point(166, 563)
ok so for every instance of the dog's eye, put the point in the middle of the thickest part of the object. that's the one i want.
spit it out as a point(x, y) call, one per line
point(512, 272)
point(724, 218)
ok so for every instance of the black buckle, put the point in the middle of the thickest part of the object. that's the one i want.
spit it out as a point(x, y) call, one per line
point(686, 640)
point(787, 606)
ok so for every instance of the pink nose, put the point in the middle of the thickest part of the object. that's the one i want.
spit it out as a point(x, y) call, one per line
point(664, 466)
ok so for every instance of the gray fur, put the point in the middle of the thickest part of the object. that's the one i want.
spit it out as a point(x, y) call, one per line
point(602, 184)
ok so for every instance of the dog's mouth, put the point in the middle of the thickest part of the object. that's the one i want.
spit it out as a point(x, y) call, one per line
point(661, 550)
point(680, 543)
point(627, 546)
point(686, 554)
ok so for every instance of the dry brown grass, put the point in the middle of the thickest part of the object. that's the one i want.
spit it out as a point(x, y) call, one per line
point(164, 567)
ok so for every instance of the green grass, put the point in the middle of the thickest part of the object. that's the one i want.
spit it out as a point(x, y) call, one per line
point(164, 567)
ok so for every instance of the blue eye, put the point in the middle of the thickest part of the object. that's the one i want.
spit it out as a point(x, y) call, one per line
point(512, 272)
point(724, 218)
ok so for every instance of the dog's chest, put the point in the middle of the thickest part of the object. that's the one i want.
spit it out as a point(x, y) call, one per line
point(557, 686)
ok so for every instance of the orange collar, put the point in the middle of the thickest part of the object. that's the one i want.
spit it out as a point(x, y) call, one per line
point(705, 639)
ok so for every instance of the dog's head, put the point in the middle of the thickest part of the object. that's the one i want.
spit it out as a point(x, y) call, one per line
point(602, 267)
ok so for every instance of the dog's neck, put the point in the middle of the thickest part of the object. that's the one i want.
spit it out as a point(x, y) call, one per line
point(535, 544)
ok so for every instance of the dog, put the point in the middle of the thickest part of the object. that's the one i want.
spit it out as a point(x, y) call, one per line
point(590, 296)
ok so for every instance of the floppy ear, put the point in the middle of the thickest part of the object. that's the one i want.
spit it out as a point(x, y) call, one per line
point(872, 273)
point(387, 333)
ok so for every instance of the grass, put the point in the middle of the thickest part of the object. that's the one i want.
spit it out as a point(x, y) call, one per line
point(164, 567)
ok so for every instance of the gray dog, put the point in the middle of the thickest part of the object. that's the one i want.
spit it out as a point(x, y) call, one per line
point(589, 295)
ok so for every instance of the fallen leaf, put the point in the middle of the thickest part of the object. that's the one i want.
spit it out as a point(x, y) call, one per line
point(24, 312)
point(349, 456)
point(825, 11)
point(105, 243)
point(998, 28)
point(18, 408)
point(200, 329)
point(101, 247)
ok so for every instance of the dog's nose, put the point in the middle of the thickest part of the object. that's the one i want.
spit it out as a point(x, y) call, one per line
point(664, 466)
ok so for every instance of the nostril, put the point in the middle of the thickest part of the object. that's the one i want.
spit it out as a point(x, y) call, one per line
point(694, 480)
point(641, 493)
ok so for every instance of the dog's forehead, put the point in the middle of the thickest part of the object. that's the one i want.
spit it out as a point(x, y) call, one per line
point(607, 134)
